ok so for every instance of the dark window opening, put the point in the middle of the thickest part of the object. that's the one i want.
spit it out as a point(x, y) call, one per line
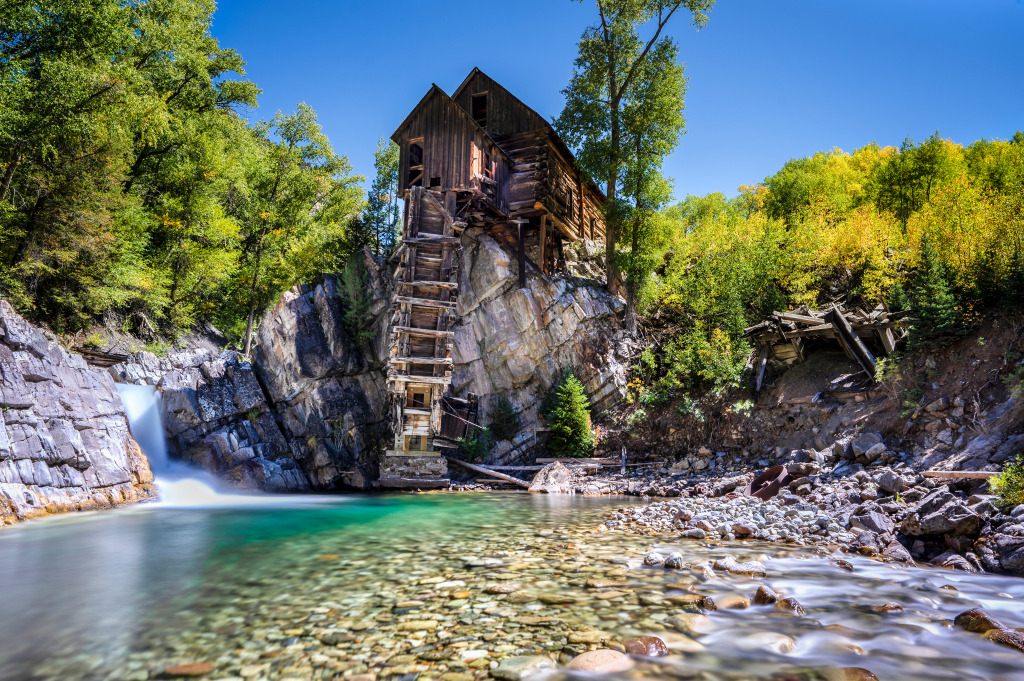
point(435, 182)
point(414, 177)
point(479, 109)
point(569, 204)
point(418, 399)
point(488, 166)
point(416, 443)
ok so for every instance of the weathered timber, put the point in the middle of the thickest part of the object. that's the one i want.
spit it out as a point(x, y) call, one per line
point(489, 471)
point(972, 475)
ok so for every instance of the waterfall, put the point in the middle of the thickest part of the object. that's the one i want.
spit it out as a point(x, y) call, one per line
point(178, 483)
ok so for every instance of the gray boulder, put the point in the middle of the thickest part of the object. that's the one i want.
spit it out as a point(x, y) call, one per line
point(554, 478)
point(941, 513)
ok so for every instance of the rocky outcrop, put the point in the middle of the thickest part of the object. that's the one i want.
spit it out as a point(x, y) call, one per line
point(327, 389)
point(64, 441)
point(516, 341)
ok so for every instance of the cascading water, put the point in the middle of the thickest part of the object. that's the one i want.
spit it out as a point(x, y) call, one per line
point(178, 484)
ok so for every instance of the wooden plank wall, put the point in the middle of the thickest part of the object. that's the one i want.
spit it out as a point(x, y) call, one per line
point(506, 114)
point(449, 136)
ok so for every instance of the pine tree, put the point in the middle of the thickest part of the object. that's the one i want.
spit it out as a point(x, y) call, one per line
point(937, 320)
point(898, 298)
point(570, 420)
point(504, 419)
point(1013, 286)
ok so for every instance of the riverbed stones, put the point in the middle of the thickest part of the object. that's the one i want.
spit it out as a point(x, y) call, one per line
point(791, 605)
point(189, 669)
point(977, 620)
point(690, 623)
point(674, 561)
point(601, 661)
point(654, 558)
point(521, 666)
point(1007, 637)
point(765, 596)
point(647, 646)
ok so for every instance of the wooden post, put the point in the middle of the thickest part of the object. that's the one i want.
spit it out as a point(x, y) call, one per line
point(623, 469)
point(543, 242)
point(851, 341)
point(522, 252)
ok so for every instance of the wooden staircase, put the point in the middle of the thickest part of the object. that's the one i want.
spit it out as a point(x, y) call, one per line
point(420, 362)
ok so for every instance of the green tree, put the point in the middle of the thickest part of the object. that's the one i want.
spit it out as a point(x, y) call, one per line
point(300, 197)
point(381, 215)
point(571, 434)
point(503, 418)
point(937, 321)
point(604, 82)
point(652, 124)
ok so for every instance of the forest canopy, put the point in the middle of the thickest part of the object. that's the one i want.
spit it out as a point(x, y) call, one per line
point(131, 184)
point(934, 226)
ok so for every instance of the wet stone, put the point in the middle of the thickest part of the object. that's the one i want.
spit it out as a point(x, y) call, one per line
point(189, 669)
point(519, 667)
point(977, 620)
point(601, 661)
point(646, 646)
point(765, 596)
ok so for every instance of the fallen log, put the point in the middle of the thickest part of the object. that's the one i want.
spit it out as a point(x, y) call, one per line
point(488, 471)
point(975, 475)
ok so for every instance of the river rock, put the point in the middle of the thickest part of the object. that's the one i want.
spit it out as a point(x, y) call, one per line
point(654, 558)
point(765, 596)
point(941, 513)
point(601, 661)
point(977, 620)
point(646, 646)
point(189, 669)
point(674, 561)
point(790, 605)
point(554, 478)
point(1007, 637)
point(521, 666)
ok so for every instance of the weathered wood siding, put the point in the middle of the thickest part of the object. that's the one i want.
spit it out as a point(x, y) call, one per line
point(452, 145)
point(506, 115)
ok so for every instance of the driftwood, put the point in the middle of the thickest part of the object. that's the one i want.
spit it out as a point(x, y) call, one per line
point(488, 471)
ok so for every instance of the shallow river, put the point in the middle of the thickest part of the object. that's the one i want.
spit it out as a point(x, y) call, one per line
point(399, 588)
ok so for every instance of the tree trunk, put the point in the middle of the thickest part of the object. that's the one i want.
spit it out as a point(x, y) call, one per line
point(611, 215)
point(9, 175)
point(253, 296)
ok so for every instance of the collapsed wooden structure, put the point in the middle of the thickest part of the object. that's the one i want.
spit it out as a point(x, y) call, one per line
point(785, 337)
point(478, 159)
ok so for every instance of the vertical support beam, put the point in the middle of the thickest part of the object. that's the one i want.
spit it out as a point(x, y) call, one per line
point(522, 252)
point(851, 341)
point(543, 243)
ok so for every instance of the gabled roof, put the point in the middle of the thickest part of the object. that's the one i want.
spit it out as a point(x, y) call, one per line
point(477, 72)
point(435, 91)
point(562, 146)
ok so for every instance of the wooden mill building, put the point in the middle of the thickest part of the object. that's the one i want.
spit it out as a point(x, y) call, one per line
point(479, 158)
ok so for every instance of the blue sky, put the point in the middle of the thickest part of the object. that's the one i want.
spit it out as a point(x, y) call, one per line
point(769, 80)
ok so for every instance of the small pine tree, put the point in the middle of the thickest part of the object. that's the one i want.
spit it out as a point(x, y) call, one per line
point(504, 419)
point(936, 318)
point(570, 420)
point(357, 301)
point(898, 298)
point(1013, 285)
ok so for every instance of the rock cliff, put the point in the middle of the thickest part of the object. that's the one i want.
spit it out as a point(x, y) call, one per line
point(311, 410)
point(516, 341)
point(64, 441)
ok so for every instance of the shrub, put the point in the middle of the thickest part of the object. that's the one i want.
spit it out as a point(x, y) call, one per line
point(1009, 484)
point(504, 419)
point(476, 444)
point(570, 420)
